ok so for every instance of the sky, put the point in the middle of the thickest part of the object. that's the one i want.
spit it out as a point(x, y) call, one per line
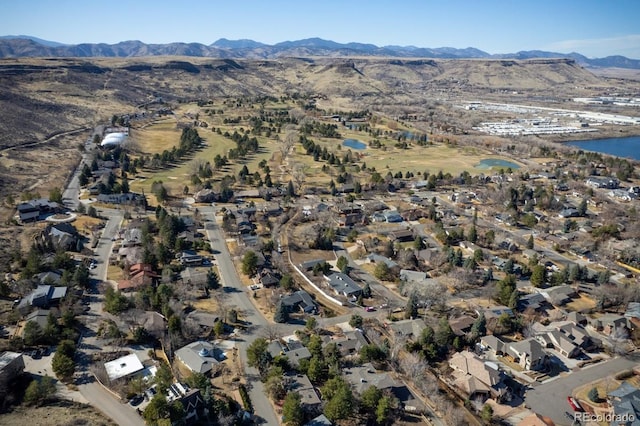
point(594, 28)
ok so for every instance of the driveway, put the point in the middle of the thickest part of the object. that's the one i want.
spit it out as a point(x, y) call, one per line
point(550, 398)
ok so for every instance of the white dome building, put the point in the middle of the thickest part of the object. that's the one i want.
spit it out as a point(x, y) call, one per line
point(111, 140)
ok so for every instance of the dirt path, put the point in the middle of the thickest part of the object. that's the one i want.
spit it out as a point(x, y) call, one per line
point(49, 139)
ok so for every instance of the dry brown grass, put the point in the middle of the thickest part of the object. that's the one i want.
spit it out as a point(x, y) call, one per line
point(61, 413)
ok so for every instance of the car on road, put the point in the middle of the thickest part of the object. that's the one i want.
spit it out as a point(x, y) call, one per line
point(574, 404)
point(136, 400)
point(369, 309)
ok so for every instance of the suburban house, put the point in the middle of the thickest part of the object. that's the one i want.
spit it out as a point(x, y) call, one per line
point(409, 328)
point(309, 399)
point(364, 376)
point(42, 297)
point(268, 277)
point(321, 420)
point(198, 356)
point(376, 258)
point(191, 400)
point(475, 376)
point(125, 366)
point(602, 182)
point(205, 196)
point(608, 323)
point(351, 343)
point(528, 353)
point(32, 211)
point(190, 258)
point(408, 275)
point(11, 366)
point(461, 325)
point(343, 285)
point(296, 355)
point(140, 274)
point(401, 236)
point(62, 236)
point(625, 403)
point(299, 300)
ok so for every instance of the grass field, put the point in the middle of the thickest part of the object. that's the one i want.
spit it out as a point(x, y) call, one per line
point(164, 134)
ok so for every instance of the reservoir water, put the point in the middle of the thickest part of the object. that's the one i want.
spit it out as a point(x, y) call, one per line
point(354, 144)
point(620, 147)
point(490, 163)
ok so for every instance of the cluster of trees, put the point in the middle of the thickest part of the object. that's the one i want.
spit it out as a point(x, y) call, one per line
point(55, 330)
point(245, 145)
point(318, 152)
point(325, 130)
point(189, 141)
point(62, 362)
point(72, 274)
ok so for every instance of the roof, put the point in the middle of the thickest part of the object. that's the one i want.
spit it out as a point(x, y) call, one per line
point(365, 376)
point(376, 258)
point(351, 342)
point(7, 358)
point(321, 420)
point(409, 275)
point(343, 284)
point(468, 363)
point(197, 356)
point(309, 264)
point(408, 327)
point(123, 366)
point(460, 324)
point(297, 354)
point(301, 384)
point(531, 347)
point(299, 298)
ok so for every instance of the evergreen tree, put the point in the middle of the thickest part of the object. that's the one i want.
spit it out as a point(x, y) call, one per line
point(282, 313)
point(292, 410)
point(411, 310)
point(479, 327)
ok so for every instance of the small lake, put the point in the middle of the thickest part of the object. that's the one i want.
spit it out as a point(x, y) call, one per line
point(620, 147)
point(490, 163)
point(354, 144)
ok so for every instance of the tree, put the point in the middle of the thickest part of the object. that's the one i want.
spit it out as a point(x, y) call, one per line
point(157, 409)
point(250, 263)
point(371, 352)
point(63, 366)
point(32, 333)
point(411, 311)
point(487, 413)
point(342, 264)
point(384, 409)
point(473, 234)
point(382, 271)
point(282, 313)
point(213, 280)
point(218, 328)
point(55, 195)
point(292, 409)
point(444, 334)
point(370, 397)
point(356, 321)
point(538, 276)
point(256, 351)
point(318, 370)
point(341, 405)
point(311, 324)
point(39, 391)
point(479, 327)
point(366, 290)
point(582, 207)
point(163, 377)
point(506, 286)
point(287, 282)
point(530, 242)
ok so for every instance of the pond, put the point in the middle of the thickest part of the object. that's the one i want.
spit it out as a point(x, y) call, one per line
point(490, 163)
point(354, 144)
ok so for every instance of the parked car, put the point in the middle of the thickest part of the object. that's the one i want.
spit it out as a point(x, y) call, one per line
point(136, 400)
point(574, 404)
point(369, 309)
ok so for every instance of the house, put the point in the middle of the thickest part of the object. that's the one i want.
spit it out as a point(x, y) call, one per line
point(376, 258)
point(154, 322)
point(351, 343)
point(11, 366)
point(198, 356)
point(569, 212)
point(528, 353)
point(401, 236)
point(364, 376)
point(633, 313)
point(560, 342)
point(268, 278)
point(125, 366)
point(300, 300)
point(625, 404)
point(49, 277)
point(190, 258)
point(559, 295)
point(202, 319)
point(409, 328)
point(296, 355)
point(63, 236)
point(309, 264)
point(608, 323)
point(343, 285)
point(140, 274)
point(39, 316)
point(602, 182)
point(321, 420)
point(393, 216)
point(127, 198)
point(191, 400)
point(205, 196)
point(534, 301)
point(461, 325)
point(132, 237)
point(408, 275)
point(33, 210)
point(42, 297)
point(475, 376)
point(309, 399)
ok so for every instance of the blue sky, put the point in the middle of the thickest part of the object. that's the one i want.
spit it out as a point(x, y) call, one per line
point(594, 28)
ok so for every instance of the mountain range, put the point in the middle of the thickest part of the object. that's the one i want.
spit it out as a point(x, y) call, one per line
point(27, 46)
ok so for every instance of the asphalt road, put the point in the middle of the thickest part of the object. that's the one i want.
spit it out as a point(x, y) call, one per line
point(550, 399)
point(238, 297)
point(104, 401)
